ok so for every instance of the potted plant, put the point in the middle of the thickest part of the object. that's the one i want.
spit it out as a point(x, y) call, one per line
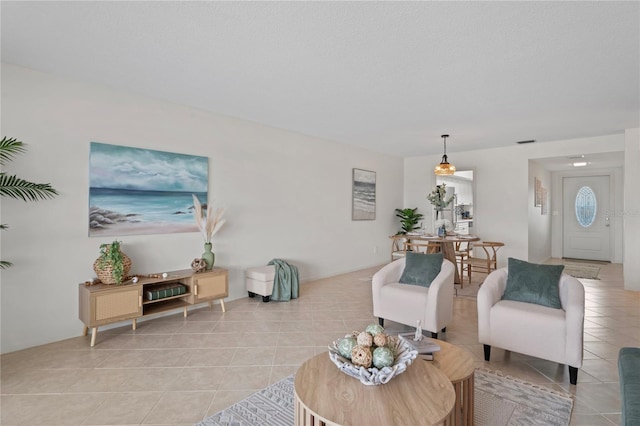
point(112, 265)
point(17, 188)
point(409, 219)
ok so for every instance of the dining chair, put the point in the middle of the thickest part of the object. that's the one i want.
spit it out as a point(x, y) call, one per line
point(462, 250)
point(397, 247)
point(483, 264)
point(421, 247)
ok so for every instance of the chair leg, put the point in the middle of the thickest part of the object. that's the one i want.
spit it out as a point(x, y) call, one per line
point(434, 335)
point(573, 375)
point(381, 322)
point(487, 352)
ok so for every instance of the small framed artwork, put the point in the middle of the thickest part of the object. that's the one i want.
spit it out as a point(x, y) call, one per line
point(537, 201)
point(544, 207)
point(363, 195)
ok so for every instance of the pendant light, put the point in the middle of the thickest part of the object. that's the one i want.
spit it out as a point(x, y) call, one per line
point(444, 168)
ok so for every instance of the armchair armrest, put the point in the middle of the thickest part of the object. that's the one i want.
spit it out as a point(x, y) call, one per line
point(489, 294)
point(390, 273)
point(572, 299)
point(440, 300)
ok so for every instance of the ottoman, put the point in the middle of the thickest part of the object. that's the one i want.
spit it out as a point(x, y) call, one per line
point(260, 281)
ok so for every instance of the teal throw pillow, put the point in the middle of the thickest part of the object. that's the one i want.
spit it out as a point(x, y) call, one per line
point(533, 283)
point(421, 269)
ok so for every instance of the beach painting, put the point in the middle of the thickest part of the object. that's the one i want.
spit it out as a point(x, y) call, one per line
point(364, 195)
point(135, 191)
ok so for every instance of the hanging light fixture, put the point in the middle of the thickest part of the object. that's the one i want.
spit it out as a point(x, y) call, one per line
point(444, 168)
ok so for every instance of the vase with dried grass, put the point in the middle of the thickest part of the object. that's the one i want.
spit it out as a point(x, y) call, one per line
point(208, 225)
point(113, 265)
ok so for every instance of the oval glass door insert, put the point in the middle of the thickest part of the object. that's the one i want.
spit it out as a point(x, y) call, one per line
point(586, 206)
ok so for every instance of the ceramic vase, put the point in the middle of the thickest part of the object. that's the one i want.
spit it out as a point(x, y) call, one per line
point(208, 256)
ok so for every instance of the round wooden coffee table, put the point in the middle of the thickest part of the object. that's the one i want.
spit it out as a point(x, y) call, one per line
point(457, 364)
point(421, 395)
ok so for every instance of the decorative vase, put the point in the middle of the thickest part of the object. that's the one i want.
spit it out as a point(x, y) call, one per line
point(105, 272)
point(208, 256)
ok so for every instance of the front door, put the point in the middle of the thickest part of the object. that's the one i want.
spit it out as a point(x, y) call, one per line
point(586, 218)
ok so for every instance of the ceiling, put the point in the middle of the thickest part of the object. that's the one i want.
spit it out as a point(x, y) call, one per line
point(387, 76)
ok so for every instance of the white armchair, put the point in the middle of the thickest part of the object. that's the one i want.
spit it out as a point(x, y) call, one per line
point(407, 303)
point(552, 334)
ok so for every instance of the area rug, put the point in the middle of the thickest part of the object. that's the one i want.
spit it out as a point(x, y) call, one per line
point(582, 270)
point(499, 400)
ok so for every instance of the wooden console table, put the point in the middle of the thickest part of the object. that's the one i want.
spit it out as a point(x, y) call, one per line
point(106, 304)
point(324, 395)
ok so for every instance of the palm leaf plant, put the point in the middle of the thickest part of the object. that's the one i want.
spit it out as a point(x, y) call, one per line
point(17, 188)
point(409, 219)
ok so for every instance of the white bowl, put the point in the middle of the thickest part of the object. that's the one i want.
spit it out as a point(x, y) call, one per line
point(373, 376)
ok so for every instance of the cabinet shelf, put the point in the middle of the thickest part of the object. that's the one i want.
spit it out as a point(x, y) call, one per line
point(164, 299)
point(169, 304)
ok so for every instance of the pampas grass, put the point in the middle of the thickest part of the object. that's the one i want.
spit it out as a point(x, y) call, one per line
point(210, 224)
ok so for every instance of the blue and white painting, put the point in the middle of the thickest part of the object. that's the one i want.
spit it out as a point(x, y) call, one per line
point(143, 191)
point(364, 195)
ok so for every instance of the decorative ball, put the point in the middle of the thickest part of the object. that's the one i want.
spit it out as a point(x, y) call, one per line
point(134, 280)
point(374, 329)
point(365, 339)
point(382, 357)
point(361, 356)
point(380, 339)
point(346, 345)
point(198, 265)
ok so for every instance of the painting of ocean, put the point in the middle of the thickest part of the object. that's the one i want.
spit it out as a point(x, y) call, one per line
point(142, 191)
point(364, 195)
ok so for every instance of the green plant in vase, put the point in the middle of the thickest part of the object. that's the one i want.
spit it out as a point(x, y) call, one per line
point(409, 220)
point(113, 265)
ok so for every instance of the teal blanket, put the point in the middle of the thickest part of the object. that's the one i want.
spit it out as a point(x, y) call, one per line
point(285, 281)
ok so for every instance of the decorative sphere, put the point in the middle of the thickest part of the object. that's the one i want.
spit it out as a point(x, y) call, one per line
point(374, 329)
point(346, 345)
point(365, 339)
point(380, 339)
point(382, 357)
point(361, 356)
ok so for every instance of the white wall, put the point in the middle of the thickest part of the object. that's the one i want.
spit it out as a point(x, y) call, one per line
point(539, 224)
point(503, 186)
point(287, 196)
point(630, 212)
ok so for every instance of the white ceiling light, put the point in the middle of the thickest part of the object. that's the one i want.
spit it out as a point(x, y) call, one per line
point(580, 164)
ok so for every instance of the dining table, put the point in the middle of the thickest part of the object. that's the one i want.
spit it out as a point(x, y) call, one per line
point(446, 246)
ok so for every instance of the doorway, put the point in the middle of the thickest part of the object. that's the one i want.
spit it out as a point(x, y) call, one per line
point(586, 207)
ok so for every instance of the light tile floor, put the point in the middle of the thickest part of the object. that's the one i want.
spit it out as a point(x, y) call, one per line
point(177, 371)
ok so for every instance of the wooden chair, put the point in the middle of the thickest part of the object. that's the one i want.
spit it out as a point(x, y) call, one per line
point(397, 247)
point(421, 247)
point(462, 250)
point(485, 264)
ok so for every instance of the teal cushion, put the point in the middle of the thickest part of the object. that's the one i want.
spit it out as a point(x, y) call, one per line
point(533, 283)
point(421, 269)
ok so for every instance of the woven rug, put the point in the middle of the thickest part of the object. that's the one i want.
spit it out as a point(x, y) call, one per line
point(499, 401)
point(582, 270)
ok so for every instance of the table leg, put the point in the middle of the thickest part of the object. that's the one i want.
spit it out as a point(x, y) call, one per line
point(450, 254)
point(85, 330)
point(222, 304)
